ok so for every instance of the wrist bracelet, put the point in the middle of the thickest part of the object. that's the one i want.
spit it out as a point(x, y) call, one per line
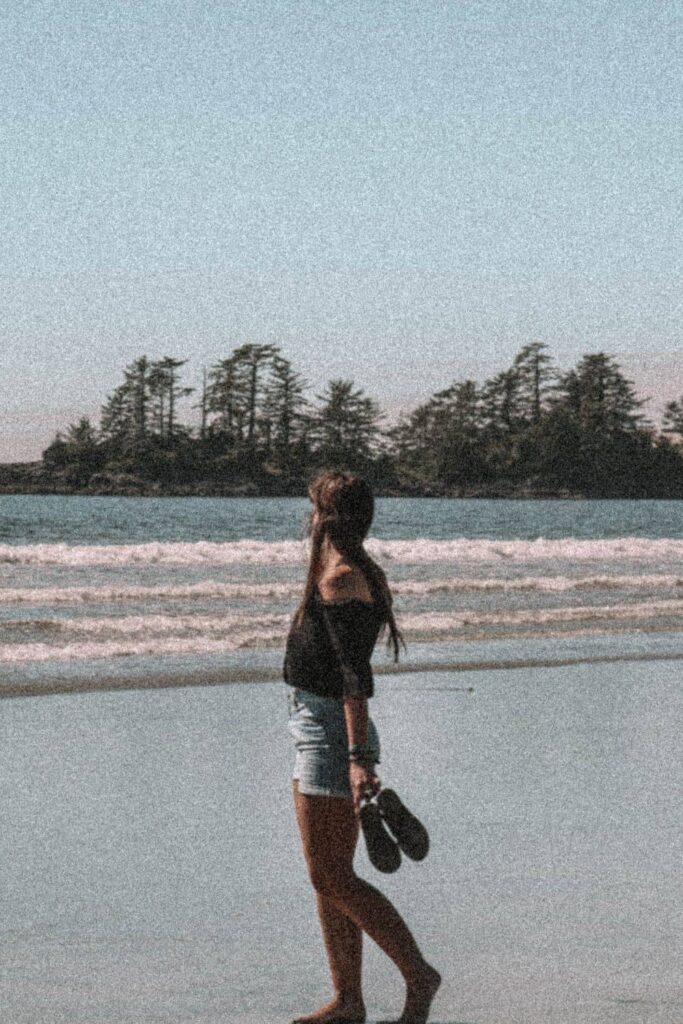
point(364, 762)
point(359, 750)
point(362, 753)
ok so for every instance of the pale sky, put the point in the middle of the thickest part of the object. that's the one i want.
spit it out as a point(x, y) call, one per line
point(401, 193)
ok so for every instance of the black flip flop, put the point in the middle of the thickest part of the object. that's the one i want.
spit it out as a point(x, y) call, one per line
point(410, 833)
point(383, 852)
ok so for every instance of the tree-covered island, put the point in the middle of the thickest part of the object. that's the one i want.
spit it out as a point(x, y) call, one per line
point(530, 431)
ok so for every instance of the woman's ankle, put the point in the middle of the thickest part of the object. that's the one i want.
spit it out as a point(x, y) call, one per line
point(420, 973)
point(350, 997)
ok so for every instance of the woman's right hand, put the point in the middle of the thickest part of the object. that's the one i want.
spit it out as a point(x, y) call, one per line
point(363, 781)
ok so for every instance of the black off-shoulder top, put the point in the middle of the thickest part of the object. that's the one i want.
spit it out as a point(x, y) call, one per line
point(329, 653)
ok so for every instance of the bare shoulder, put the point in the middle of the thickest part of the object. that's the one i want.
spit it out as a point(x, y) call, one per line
point(344, 583)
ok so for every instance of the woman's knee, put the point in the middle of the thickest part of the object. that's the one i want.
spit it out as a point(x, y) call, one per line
point(331, 883)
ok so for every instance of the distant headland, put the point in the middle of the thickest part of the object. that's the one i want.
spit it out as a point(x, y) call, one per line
point(532, 431)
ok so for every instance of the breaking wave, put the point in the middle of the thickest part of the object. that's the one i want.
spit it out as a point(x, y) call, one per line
point(290, 552)
point(106, 637)
point(213, 590)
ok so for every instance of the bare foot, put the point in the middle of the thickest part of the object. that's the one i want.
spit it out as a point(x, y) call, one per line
point(419, 996)
point(339, 1011)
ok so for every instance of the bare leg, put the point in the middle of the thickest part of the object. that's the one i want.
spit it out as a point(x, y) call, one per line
point(343, 943)
point(322, 821)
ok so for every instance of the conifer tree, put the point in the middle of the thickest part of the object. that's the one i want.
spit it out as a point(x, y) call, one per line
point(502, 419)
point(532, 368)
point(171, 391)
point(672, 421)
point(252, 361)
point(599, 396)
point(158, 395)
point(203, 405)
point(597, 407)
point(411, 442)
point(225, 398)
point(236, 391)
point(457, 433)
point(137, 384)
point(347, 426)
point(502, 403)
point(284, 403)
point(116, 420)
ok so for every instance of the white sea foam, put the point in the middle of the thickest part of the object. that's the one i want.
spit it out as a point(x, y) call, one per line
point(136, 625)
point(568, 549)
point(164, 646)
point(206, 590)
point(105, 637)
point(439, 621)
point(406, 552)
point(213, 590)
point(541, 583)
point(242, 552)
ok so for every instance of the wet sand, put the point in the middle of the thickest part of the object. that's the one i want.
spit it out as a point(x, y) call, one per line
point(152, 870)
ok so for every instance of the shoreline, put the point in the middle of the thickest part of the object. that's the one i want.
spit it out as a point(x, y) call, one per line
point(493, 492)
point(32, 479)
point(227, 677)
point(500, 491)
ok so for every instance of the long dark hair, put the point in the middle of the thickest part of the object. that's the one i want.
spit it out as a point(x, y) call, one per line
point(345, 507)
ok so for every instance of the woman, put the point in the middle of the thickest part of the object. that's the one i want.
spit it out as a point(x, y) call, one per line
point(345, 605)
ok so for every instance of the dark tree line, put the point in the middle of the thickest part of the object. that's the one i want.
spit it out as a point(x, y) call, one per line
point(257, 425)
point(530, 429)
point(580, 430)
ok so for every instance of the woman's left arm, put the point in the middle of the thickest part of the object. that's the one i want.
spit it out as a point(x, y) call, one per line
point(361, 773)
point(336, 588)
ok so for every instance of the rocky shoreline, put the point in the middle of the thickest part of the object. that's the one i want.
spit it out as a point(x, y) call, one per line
point(34, 478)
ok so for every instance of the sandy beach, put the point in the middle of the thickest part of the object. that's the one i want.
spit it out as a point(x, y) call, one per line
point(153, 872)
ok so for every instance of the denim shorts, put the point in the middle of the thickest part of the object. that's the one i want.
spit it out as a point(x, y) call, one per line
point(318, 726)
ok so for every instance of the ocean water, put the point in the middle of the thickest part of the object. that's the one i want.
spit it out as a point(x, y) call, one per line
point(103, 590)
